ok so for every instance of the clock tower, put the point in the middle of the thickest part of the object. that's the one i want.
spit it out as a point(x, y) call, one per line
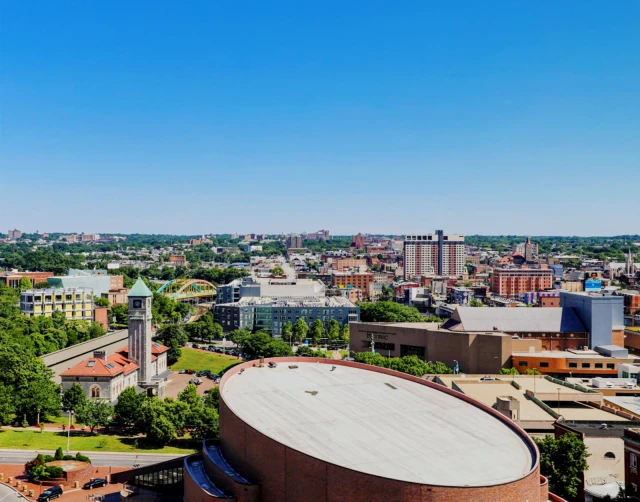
point(140, 342)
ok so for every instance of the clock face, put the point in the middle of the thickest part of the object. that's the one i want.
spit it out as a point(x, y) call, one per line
point(137, 304)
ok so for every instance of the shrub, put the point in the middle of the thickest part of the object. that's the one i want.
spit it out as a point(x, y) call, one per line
point(53, 471)
point(59, 455)
point(82, 458)
point(68, 457)
point(49, 458)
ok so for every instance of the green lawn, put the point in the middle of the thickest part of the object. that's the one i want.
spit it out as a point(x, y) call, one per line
point(33, 440)
point(198, 360)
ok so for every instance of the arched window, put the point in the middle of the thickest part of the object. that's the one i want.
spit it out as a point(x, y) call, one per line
point(95, 391)
point(609, 454)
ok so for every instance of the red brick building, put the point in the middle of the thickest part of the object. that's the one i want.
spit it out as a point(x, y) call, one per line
point(12, 279)
point(510, 282)
point(357, 241)
point(631, 440)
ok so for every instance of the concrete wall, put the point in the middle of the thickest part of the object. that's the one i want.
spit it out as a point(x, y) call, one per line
point(64, 359)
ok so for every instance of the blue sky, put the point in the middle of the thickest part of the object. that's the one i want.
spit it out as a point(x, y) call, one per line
point(395, 117)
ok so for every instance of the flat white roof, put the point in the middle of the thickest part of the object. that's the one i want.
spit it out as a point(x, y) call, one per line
point(378, 424)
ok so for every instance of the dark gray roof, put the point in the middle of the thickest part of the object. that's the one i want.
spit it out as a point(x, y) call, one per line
point(515, 320)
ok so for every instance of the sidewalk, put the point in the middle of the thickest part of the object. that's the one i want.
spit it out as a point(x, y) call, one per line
point(71, 494)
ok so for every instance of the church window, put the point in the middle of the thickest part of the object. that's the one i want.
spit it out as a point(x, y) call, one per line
point(95, 391)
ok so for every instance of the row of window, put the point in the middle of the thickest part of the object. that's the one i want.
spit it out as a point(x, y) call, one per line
point(545, 364)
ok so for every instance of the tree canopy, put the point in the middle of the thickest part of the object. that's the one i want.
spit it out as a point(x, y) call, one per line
point(411, 365)
point(563, 461)
point(387, 311)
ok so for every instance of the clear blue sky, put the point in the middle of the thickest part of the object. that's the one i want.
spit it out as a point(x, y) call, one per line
point(220, 116)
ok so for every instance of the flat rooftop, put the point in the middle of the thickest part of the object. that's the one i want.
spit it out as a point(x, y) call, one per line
point(378, 424)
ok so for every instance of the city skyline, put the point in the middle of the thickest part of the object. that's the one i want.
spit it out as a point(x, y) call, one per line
point(156, 118)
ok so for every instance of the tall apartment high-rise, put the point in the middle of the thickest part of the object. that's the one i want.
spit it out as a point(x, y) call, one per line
point(439, 253)
point(294, 241)
point(14, 234)
point(357, 241)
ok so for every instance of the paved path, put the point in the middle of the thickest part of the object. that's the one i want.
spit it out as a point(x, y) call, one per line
point(8, 494)
point(97, 458)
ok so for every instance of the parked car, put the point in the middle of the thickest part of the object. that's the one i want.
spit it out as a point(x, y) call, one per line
point(212, 376)
point(50, 493)
point(195, 346)
point(95, 483)
point(189, 372)
point(195, 381)
point(182, 372)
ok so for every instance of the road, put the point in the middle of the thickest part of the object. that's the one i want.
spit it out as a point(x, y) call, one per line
point(8, 494)
point(97, 458)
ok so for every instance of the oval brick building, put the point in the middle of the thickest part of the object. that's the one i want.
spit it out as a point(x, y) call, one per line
point(301, 429)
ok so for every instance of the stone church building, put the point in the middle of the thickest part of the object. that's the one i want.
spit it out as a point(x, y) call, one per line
point(141, 364)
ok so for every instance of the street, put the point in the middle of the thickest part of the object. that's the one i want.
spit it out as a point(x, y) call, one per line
point(97, 458)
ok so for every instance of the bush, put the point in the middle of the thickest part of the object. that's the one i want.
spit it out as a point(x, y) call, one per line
point(68, 457)
point(53, 471)
point(49, 458)
point(59, 455)
point(82, 458)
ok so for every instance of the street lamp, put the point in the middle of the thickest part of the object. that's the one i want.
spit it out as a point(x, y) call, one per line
point(224, 341)
point(373, 345)
point(534, 381)
point(69, 430)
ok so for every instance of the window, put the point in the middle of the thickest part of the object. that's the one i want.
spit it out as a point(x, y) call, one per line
point(544, 365)
point(610, 366)
point(522, 363)
point(609, 454)
point(633, 460)
point(598, 365)
point(586, 365)
point(573, 365)
point(95, 391)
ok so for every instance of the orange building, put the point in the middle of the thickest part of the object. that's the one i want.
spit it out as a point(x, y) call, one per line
point(360, 281)
point(568, 362)
point(178, 259)
point(510, 282)
point(101, 316)
point(344, 263)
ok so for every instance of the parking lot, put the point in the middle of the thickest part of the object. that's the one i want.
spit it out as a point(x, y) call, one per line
point(178, 382)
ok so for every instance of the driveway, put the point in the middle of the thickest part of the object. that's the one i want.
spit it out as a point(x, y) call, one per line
point(178, 382)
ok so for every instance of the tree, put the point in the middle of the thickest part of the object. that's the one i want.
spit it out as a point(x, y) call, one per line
point(412, 365)
point(334, 331)
point(277, 270)
point(128, 407)
point(153, 420)
point(173, 336)
point(344, 335)
point(212, 399)
point(563, 461)
point(101, 302)
point(25, 283)
point(508, 371)
point(238, 337)
point(388, 312)
point(532, 371)
point(95, 413)
point(287, 331)
point(74, 398)
point(300, 330)
point(121, 314)
point(262, 345)
point(317, 331)
point(7, 407)
point(387, 294)
point(476, 303)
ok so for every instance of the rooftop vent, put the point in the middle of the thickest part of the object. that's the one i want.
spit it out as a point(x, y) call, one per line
point(293, 367)
point(91, 364)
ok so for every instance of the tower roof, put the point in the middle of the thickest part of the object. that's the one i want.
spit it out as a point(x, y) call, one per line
point(140, 289)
